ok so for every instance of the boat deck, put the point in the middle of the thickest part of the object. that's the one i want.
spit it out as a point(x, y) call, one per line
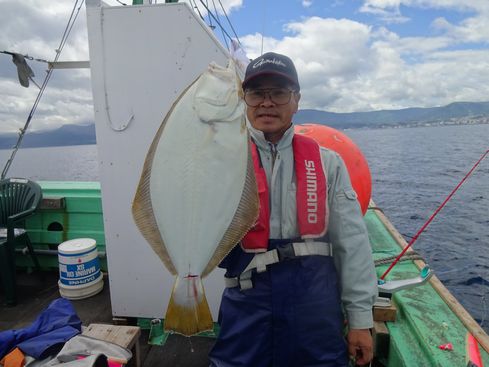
point(36, 292)
point(427, 316)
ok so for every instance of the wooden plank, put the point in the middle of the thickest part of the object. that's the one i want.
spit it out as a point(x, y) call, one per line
point(125, 336)
point(387, 313)
point(380, 328)
point(472, 326)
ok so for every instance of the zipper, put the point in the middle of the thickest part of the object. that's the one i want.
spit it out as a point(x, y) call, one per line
point(275, 155)
point(273, 151)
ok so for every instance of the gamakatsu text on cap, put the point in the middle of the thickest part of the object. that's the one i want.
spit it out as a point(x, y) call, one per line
point(268, 61)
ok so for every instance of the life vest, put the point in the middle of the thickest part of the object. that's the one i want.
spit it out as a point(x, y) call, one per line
point(311, 195)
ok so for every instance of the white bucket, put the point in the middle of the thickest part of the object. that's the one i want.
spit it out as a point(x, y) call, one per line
point(79, 269)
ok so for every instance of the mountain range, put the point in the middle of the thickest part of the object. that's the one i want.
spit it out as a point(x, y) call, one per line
point(454, 113)
point(65, 135)
point(457, 112)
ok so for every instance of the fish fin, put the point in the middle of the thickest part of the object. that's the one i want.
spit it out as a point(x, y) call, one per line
point(243, 220)
point(142, 206)
point(188, 312)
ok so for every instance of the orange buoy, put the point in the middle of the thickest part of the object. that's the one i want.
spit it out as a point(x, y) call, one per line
point(352, 156)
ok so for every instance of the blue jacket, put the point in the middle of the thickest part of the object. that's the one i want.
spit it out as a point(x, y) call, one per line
point(47, 334)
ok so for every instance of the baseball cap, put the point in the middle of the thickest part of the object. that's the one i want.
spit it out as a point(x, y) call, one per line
point(272, 63)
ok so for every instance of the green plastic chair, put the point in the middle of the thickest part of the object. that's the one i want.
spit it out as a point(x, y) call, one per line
point(19, 199)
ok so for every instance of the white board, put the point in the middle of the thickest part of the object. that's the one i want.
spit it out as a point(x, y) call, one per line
point(141, 58)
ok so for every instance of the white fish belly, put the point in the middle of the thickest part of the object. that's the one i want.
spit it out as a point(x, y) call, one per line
point(198, 176)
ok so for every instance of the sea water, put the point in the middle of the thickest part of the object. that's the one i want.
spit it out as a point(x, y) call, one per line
point(413, 171)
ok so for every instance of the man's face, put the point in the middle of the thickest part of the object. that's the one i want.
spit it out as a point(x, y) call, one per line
point(269, 117)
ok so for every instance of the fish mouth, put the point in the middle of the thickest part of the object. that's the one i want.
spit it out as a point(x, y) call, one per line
point(190, 276)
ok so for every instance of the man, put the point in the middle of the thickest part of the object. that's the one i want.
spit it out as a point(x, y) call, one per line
point(307, 262)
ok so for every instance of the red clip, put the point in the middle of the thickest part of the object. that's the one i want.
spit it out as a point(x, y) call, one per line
point(447, 346)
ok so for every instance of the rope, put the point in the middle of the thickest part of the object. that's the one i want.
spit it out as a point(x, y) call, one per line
point(376, 208)
point(216, 20)
point(125, 124)
point(411, 256)
point(25, 56)
point(66, 33)
point(210, 19)
point(198, 11)
point(230, 24)
point(220, 25)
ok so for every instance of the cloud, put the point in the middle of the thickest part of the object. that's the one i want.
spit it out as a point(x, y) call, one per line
point(36, 29)
point(37, 32)
point(306, 3)
point(387, 10)
point(470, 30)
point(345, 66)
point(466, 5)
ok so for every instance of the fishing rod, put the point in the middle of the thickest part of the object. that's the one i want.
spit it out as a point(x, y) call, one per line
point(415, 237)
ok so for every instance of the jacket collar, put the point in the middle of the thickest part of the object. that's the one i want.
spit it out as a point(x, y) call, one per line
point(260, 141)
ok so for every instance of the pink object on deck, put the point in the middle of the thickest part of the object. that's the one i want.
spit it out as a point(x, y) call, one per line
point(110, 363)
point(447, 346)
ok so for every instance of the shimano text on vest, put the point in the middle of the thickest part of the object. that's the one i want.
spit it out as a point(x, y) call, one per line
point(311, 189)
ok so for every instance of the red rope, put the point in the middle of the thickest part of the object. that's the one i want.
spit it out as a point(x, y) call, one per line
point(432, 217)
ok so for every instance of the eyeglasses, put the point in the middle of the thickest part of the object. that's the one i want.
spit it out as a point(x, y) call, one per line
point(279, 96)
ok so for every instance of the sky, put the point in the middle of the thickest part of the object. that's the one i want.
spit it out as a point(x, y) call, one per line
point(351, 55)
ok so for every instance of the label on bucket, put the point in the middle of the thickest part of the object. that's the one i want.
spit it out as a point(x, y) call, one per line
point(78, 263)
point(79, 274)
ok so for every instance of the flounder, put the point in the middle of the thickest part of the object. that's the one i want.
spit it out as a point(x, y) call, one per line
point(197, 196)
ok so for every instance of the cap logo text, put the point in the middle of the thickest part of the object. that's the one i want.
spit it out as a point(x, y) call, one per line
point(268, 61)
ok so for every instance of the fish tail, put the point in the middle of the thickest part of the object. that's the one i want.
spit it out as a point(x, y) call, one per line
point(188, 312)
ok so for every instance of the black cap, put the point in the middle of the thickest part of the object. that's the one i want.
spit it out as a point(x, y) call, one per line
point(272, 63)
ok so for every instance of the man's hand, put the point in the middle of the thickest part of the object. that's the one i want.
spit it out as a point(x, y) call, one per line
point(360, 346)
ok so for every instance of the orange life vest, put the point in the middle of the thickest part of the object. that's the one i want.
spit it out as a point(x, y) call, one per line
point(311, 195)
